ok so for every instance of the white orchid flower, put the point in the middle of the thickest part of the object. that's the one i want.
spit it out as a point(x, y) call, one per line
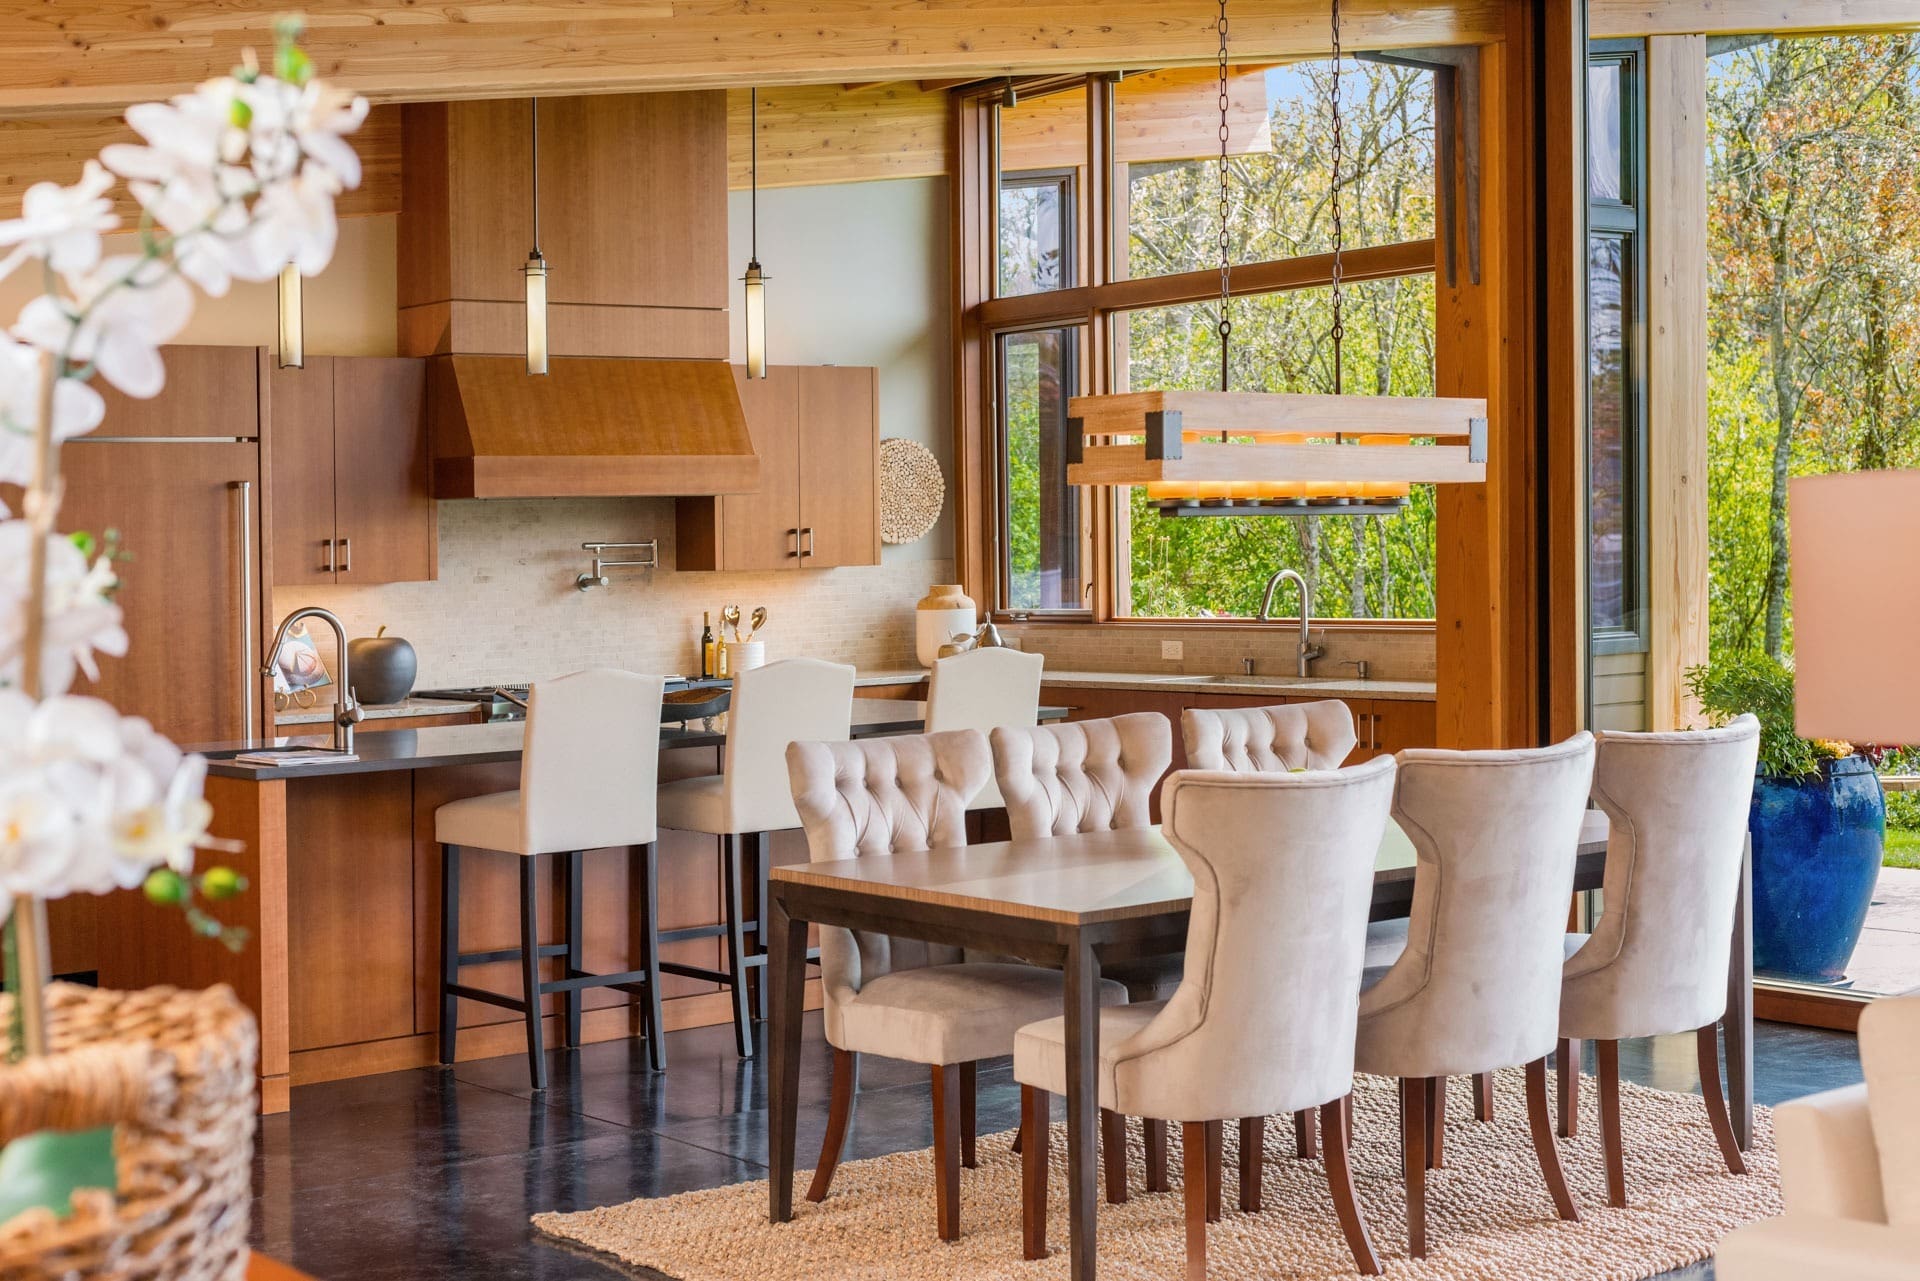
point(116, 319)
point(81, 619)
point(77, 409)
point(62, 224)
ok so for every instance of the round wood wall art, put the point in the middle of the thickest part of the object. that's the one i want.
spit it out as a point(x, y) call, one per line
point(912, 490)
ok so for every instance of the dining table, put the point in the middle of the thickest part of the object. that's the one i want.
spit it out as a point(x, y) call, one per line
point(1074, 903)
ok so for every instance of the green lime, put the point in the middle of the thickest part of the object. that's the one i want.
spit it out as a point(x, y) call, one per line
point(221, 883)
point(165, 887)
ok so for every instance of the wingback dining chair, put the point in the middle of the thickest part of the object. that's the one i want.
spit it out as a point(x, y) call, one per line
point(984, 689)
point(1095, 776)
point(795, 699)
point(1280, 740)
point(1263, 1021)
point(1676, 805)
point(1496, 835)
point(901, 998)
point(587, 774)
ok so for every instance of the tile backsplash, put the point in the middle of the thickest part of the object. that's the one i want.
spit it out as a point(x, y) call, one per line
point(505, 607)
point(1391, 653)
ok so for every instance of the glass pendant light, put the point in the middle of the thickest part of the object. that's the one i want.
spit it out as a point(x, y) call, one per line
point(536, 270)
point(754, 282)
point(293, 336)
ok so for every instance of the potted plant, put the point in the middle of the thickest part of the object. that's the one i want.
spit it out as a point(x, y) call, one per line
point(1818, 823)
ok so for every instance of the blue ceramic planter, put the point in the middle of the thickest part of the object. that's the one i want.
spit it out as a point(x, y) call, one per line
point(1816, 857)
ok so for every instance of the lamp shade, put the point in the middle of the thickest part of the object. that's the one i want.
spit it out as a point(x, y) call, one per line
point(1856, 617)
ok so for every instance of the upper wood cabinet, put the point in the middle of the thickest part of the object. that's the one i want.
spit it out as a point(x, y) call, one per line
point(347, 467)
point(816, 430)
point(211, 393)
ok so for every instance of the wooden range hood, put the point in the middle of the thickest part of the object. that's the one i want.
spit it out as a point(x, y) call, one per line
point(591, 428)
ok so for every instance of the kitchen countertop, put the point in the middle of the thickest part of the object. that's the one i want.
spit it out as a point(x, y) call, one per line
point(486, 744)
point(1198, 683)
point(321, 713)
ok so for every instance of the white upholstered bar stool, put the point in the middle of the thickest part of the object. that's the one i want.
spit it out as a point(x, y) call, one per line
point(901, 998)
point(1478, 987)
point(1095, 776)
point(1676, 805)
point(1263, 1021)
point(984, 689)
point(793, 700)
point(1282, 739)
point(587, 771)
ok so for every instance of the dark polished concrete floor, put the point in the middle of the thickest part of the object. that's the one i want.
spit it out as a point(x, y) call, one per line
point(432, 1174)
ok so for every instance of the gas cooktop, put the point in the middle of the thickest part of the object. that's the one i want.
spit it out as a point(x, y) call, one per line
point(509, 702)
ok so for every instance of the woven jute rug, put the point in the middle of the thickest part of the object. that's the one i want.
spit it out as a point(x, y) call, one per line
point(1489, 1216)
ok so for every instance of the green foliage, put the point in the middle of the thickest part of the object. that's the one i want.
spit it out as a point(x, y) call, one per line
point(1754, 682)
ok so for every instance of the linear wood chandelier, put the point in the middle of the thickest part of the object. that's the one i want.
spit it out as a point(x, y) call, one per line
point(1242, 453)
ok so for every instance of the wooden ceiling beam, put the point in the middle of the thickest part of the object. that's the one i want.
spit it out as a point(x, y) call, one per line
point(1607, 18)
point(69, 57)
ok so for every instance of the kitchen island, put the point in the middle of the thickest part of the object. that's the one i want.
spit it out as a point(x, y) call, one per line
point(343, 907)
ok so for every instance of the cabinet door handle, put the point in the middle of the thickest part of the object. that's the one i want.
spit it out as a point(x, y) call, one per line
point(346, 555)
point(808, 531)
point(249, 668)
point(328, 567)
point(795, 552)
point(1373, 730)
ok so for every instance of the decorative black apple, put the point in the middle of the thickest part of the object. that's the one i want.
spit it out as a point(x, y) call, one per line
point(382, 667)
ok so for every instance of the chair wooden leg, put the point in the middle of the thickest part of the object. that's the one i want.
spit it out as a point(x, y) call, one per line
point(1543, 1145)
point(1306, 1145)
point(1194, 1143)
point(1155, 1135)
point(1566, 1060)
point(576, 940)
point(946, 1150)
point(1113, 1155)
point(1608, 1055)
point(969, 1117)
point(1020, 1136)
point(449, 949)
point(1436, 1122)
point(1253, 1133)
point(1346, 1119)
point(650, 955)
point(1708, 1038)
point(530, 967)
point(763, 874)
point(1340, 1184)
point(1213, 1134)
point(1033, 1173)
point(1413, 1161)
point(845, 1072)
point(738, 978)
point(1483, 1096)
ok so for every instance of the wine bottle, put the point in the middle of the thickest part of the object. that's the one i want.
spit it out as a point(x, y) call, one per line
point(706, 644)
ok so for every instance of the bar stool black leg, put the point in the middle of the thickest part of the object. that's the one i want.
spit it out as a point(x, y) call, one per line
point(449, 949)
point(575, 950)
point(530, 966)
point(762, 870)
point(650, 955)
point(737, 946)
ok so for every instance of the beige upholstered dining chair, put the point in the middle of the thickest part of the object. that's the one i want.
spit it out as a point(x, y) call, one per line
point(1269, 740)
point(1496, 835)
point(1263, 1022)
point(984, 689)
point(793, 700)
point(1676, 805)
point(900, 998)
point(586, 782)
point(1095, 776)
point(1279, 740)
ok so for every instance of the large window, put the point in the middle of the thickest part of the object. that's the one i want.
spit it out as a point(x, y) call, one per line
point(1616, 348)
point(1109, 282)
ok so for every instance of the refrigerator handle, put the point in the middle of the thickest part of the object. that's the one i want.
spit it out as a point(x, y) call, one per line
point(249, 668)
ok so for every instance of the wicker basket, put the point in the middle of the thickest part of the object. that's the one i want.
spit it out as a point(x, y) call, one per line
point(173, 1071)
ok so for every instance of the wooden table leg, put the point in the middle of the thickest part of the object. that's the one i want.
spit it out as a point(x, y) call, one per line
point(1083, 1097)
point(787, 959)
point(1739, 1021)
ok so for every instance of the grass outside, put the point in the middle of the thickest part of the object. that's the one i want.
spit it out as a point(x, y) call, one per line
point(1902, 848)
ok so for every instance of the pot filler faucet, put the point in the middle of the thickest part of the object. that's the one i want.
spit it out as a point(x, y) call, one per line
point(346, 712)
point(1306, 650)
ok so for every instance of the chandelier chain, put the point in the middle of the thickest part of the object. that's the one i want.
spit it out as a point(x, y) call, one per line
point(1338, 330)
point(1226, 256)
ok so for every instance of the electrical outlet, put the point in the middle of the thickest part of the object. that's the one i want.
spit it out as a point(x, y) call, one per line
point(1172, 649)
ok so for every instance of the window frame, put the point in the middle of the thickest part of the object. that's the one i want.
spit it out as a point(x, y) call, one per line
point(1626, 219)
point(1097, 304)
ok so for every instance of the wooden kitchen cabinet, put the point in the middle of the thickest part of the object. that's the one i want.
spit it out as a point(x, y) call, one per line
point(1387, 725)
point(348, 466)
point(816, 430)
